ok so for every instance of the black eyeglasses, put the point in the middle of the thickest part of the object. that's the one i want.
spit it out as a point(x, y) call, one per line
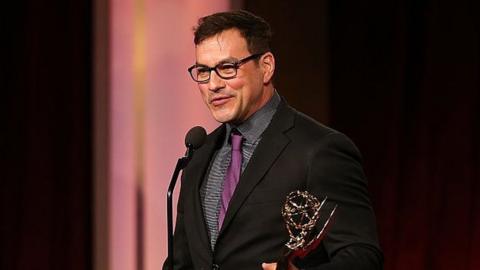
point(226, 70)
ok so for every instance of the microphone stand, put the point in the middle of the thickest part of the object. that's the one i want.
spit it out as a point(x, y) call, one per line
point(181, 164)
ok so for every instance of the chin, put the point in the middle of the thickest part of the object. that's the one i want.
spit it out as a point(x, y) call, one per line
point(222, 117)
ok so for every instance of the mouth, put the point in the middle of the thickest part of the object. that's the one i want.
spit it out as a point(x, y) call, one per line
point(220, 100)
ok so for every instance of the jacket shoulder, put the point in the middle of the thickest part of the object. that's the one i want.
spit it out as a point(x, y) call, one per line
point(306, 125)
point(311, 132)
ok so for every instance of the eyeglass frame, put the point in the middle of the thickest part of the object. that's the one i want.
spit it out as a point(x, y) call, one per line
point(235, 64)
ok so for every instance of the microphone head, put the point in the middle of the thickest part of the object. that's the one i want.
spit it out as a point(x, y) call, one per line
point(195, 137)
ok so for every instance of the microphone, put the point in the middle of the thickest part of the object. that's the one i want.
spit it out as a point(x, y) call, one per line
point(194, 139)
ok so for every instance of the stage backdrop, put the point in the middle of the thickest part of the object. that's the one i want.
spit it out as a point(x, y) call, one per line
point(152, 102)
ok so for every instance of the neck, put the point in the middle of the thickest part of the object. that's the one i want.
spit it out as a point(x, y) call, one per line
point(263, 100)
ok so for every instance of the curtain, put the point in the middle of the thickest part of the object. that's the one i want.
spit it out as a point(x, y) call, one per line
point(405, 86)
point(46, 136)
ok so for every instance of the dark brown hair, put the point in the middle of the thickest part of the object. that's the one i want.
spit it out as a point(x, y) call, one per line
point(254, 29)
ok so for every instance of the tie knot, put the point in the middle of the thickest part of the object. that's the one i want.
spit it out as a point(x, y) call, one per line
point(236, 138)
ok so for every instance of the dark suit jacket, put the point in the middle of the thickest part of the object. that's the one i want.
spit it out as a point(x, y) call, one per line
point(295, 153)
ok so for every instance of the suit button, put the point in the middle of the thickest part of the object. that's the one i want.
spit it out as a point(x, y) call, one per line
point(215, 267)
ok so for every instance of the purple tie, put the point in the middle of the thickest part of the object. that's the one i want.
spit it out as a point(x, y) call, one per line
point(232, 176)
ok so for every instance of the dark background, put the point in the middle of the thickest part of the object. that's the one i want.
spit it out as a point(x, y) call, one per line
point(46, 141)
point(402, 80)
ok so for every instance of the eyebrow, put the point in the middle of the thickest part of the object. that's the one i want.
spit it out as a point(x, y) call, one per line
point(223, 61)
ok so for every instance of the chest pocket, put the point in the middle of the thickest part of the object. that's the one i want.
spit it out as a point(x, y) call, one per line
point(268, 196)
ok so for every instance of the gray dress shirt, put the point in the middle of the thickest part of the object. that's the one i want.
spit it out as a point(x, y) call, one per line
point(211, 188)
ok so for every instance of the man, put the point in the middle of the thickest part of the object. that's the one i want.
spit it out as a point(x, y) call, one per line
point(229, 209)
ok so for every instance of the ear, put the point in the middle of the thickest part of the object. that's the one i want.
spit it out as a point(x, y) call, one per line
point(267, 62)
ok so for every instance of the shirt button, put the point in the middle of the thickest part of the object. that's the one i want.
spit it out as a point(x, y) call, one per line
point(215, 267)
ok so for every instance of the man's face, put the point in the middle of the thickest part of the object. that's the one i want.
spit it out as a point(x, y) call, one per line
point(233, 100)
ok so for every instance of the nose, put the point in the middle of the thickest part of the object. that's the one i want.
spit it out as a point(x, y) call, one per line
point(215, 83)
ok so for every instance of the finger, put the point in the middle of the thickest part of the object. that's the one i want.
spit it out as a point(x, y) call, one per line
point(269, 266)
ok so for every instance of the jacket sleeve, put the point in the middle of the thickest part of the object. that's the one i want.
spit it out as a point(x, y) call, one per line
point(351, 242)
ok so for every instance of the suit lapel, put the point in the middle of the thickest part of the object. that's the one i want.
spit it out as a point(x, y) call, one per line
point(196, 174)
point(271, 145)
